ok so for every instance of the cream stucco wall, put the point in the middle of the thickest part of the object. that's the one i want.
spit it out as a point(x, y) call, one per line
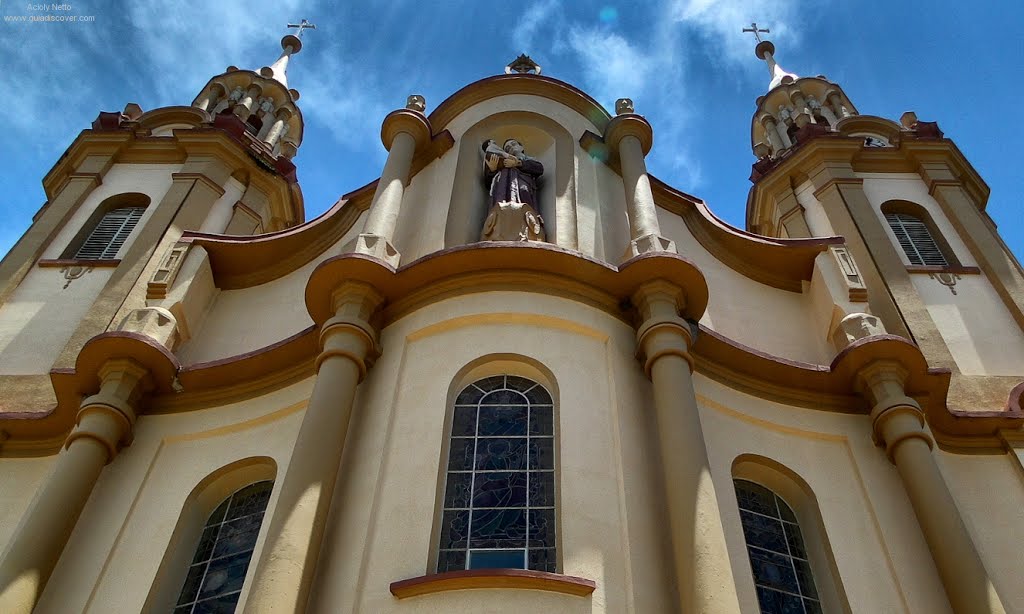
point(401, 434)
point(883, 562)
point(40, 316)
point(125, 528)
point(974, 322)
point(248, 319)
point(757, 315)
point(19, 479)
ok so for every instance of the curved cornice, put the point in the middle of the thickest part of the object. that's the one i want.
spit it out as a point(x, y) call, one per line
point(482, 266)
point(780, 263)
point(511, 267)
point(535, 85)
point(242, 262)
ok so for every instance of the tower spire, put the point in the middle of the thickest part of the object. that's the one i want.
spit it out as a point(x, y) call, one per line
point(765, 50)
point(290, 45)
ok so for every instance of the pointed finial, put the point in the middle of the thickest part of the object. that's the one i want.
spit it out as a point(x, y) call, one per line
point(524, 64)
point(290, 45)
point(765, 50)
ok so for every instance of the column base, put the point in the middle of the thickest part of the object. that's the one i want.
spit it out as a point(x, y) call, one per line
point(647, 244)
point(378, 247)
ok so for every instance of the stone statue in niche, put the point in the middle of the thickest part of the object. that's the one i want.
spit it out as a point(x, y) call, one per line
point(511, 177)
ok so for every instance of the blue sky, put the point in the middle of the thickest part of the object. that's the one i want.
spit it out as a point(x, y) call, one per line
point(685, 64)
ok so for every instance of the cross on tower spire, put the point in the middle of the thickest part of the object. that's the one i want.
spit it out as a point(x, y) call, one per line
point(303, 25)
point(756, 31)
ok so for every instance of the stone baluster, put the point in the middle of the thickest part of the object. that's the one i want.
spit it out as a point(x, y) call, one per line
point(208, 101)
point(771, 131)
point(898, 424)
point(245, 105)
point(703, 571)
point(404, 131)
point(104, 425)
point(276, 131)
point(836, 101)
point(348, 341)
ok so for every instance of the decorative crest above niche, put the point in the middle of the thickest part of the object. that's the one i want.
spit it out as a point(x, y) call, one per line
point(523, 65)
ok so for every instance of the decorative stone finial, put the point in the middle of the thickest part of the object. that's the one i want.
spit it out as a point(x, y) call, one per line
point(523, 65)
point(908, 120)
point(415, 102)
point(857, 326)
point(623, 106)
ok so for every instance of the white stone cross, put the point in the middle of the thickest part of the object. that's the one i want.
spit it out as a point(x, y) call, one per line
point(757, 32)
point(302, 26)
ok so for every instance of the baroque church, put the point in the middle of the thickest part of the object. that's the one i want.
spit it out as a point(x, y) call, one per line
point(516, 373)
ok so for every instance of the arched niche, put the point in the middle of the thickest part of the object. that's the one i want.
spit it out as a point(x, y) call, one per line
point(543, 139)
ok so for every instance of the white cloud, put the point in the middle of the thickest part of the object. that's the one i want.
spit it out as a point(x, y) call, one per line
point(720, 23)
point(184, 47)
point(612, 66)
point(536, 16)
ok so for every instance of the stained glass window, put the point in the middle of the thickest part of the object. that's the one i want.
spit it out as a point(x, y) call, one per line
point(778, 558)
point(499, 500)
point(214, 580)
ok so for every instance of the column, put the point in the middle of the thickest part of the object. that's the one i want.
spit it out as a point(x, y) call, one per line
point(210, 97)
point(632, 137)
point(403, 132)
point(281, 117)
point(703, 571)
point(289, 556)
point(898, 424)
point(244, 107)
point(771, 132)
point(104, 424)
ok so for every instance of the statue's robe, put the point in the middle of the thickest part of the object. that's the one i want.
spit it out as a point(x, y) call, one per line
point(514, 213)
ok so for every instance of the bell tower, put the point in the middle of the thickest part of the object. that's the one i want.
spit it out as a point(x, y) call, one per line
point(260, 100)
point(911, 209)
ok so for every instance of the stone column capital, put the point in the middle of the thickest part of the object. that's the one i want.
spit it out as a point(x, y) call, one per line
point(350, 333)
point(108, 416)
point(629, 124)
point(895, 417)
point(407, 121)
point(662, 331)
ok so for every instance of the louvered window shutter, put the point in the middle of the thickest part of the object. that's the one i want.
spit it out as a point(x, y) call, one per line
point(109, 234)
point(915, 239)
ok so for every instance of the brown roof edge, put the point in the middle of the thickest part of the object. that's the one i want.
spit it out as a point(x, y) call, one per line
point(781, 263)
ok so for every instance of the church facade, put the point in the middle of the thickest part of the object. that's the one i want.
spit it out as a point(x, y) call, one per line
point(516, 373)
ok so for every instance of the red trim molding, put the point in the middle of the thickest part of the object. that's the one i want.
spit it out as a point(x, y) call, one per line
point(63, 262)
point(931, 268)
point(493, 578)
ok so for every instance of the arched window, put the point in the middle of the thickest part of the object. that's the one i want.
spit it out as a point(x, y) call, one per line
point(109, 234)
point(499, 497)
point(778, 557)
point(916, 239)
point(215, 577)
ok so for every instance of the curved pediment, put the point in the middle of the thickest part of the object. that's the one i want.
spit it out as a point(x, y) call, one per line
point(534, 85)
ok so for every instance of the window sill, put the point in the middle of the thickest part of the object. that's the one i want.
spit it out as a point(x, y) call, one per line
point(957, 270)
point(63, 262)
point(492, 578)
